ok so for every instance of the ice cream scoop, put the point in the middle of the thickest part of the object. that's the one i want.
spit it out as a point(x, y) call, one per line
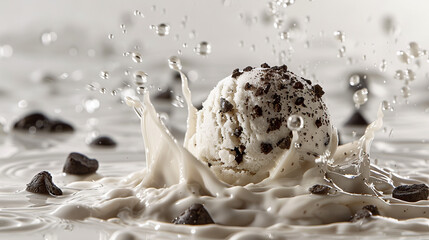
point(241, 131)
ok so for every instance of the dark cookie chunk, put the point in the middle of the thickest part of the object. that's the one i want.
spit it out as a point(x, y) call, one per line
point(42, 183)
point(247, 69)
point(225, 105)
point(318, 123)
point(307, 81)
point(165, 95)
point(80, 164)
point(236, 73)
point(103, 141)
point(277, 103)
point(299, 101)
point(298, 85)
point(274, 124)
point(372, 208)
point(36, 120)
point(248, 86)
point(361, 214)
point(58, 126)
point(238, 155)
point(238, 131)
point(267, 88)
point(356, 120)
point(318, 90)
point(257, 111)
point(259, 91)
point(411, 193)
point(266, 148)
point(284, 143)
point(327, 139)
point(265, 65)
point(319, 189)
point(194, 215)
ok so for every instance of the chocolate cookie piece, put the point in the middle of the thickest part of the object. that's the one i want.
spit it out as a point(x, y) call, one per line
point(361, 214)
point(58, 126)
point(225, 105)
point(411, 193)
point(356, 120)
point(319, 189)
point(103, 141)
point(80, 164)
point(35, 120)
point(42, 183)
point(194, 215)
point(372, 208)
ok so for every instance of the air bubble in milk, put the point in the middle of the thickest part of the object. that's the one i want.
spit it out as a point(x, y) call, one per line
point(203, 48)
point(47, 38)
point(340, 36)
point(403, 57)
point(354, 80)
point(104, 75)
point(360, 97)
point(174, 63)
point(162, 29)
point(140, 77)
point(295, 122)
point(137, 57)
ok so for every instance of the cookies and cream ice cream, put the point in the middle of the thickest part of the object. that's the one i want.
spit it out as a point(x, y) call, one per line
point(242, 129)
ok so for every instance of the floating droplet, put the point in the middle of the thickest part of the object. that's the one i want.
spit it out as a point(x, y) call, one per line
point(103, 90)
point(137, 13)
point(162, 29)
point(122, 26)
point(278, 23)
point(203, 48)
point(414, 49)
point(295, 122)
point(284, 35)
point(383, 65)
point(91, 105)
point(410, 75)
point(137, 57)
point(114, 92)
point(140, 77)
point(6, 51)
point(386, 106)
point(406, 91)
point(178, 102)
point(403, 57)
point(111, 36)
point(400, 75)
point(104, 74)
point(354, 80)
point(341, 52)
point(47, 38)
point(174, 63)
point(340, 36)
point(360, 97)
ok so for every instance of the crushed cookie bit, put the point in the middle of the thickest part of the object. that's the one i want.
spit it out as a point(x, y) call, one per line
point(266, 148)
point(318, 90)
point(276, 103)
point(372, 208)
point(299, 101)
point(257, 111)
point(248, 86)
point(283, 68)
point(284, 143)
point(259, 91)
point(238, 155)
point(328, 139)
point(265, 65)
point(267, 88)
point(225, 105)
point(236, 73)
point(319, 189)
point(209, 164)
point(307, 81)
point(247, 69)
point(238, 131)
point(274, 124)
point(318, 122)
point(298, 85)
point(242, 148)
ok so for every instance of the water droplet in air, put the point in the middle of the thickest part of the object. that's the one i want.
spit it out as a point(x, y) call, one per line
point(162, 29)
point(103, 90)
point(91, 105)
point(48, 38)
point(178, 102)
point(410, 75)
point(6, 51)
point(341, 52)
point(400, 75)
point(140, 77)
point(122, 26)
point(111, 36)
point(104, 74)
point(403, 57)
point(360, 97)
point(284, 35)
point(414, 49)
point(295, 122)
point(114, 92)
point(174, 63)
point(278, 23)
point(340, 36)
point(137, 13)
point(354, 80)
point(137, 57)
point(203, 48)
point(386, 106)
